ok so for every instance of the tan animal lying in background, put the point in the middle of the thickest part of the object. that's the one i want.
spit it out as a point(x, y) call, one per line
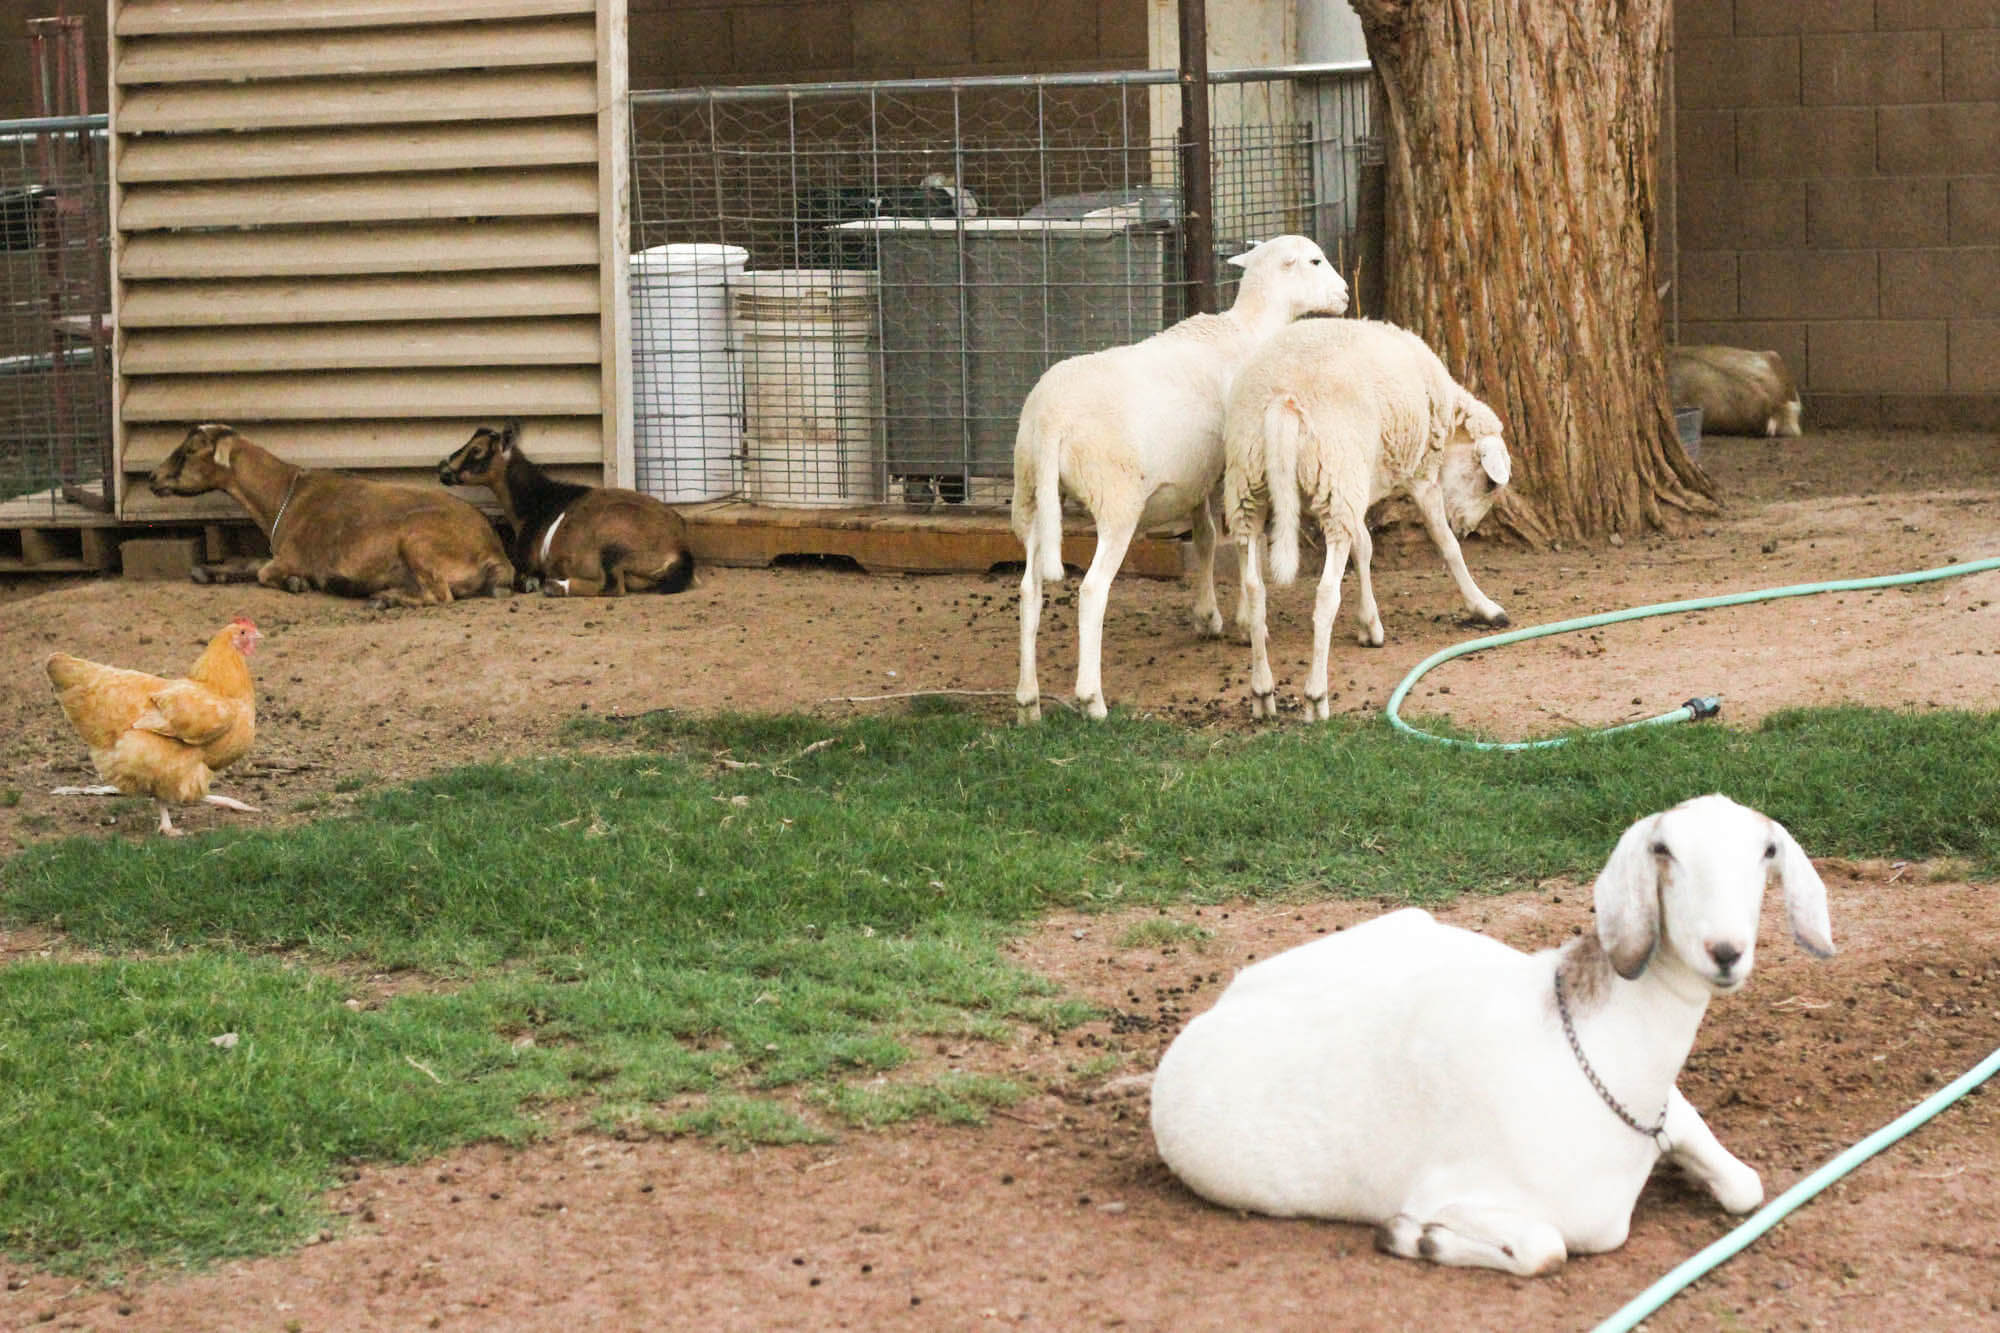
point(1739, 392)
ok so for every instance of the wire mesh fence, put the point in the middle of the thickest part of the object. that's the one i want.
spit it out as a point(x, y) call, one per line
point(55, 391)
point(842, 293)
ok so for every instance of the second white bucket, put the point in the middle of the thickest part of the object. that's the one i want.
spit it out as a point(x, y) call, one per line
point(805, 341)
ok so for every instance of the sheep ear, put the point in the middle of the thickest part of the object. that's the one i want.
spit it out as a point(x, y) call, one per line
point(1243, 260)
point(1494, 458)
point(1628, 900)
point(1805, 895)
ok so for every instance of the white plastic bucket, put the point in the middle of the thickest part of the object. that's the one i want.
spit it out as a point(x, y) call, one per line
point(687, 401)
point(805, 340)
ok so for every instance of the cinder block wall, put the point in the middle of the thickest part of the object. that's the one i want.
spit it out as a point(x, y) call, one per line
point(1838, 168)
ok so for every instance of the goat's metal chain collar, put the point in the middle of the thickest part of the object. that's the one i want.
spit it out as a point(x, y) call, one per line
point(278, 517)
point(1658, 1132)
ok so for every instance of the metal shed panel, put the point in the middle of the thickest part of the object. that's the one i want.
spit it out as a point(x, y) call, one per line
point(141, 17)
point(334, 103)
point(356, 230)
point(199, 157)
point(500, 294)
point(310, 199)
point(321, 396)
point(441, 247)
point(217, 58)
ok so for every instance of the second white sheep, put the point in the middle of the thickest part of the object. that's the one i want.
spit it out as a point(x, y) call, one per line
point(1134, 433)
point(1340, 414)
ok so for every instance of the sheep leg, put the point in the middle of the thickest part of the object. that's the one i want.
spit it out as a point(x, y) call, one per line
point(1366, 612)
point(1326, 608)
point(1429, 497)
point(1698, 1152)
point(1028, 690)
point(1263, 690)
point(1114, 536)
point(1472, 1235)
point(1207, 615)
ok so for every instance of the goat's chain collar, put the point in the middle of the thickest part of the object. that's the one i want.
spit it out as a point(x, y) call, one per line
point(279, 517)
point(1658, 1131)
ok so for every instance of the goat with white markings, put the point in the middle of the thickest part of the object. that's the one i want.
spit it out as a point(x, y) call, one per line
point(1134, 433)
point(1341, 414)
point(573, 540)
point(1482, 1106)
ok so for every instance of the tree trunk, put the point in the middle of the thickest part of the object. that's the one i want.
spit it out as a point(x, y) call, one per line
point(1522, 190)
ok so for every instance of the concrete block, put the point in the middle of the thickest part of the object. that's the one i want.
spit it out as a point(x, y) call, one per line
point(1782, 16)
point(1972, 66)
point(1708, 284)
point(1737, 72)
point(1975, 355)
point(159, 557)
point(1872, 69)
point(1941, 284)
point(1905, 15)
point(1823, 141)
point(1741, 214)
point(1798, 284)
point(1943, 139)
point(1879, 355)
point(1853, 213)
point(1704, 145)
point(1975, 212)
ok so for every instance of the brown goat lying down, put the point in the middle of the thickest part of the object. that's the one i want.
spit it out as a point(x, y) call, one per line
point(574, 541)
point(395, 545)
point(1739, 392)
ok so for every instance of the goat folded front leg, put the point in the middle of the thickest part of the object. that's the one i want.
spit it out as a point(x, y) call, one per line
point(1698, 1152)
point(1470, 1235)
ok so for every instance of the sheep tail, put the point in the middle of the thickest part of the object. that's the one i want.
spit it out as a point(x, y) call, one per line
point(1282, 426)
point(1037, 517)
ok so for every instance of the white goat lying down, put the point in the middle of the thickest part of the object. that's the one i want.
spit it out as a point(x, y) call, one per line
point(1482, 1106)
point(1343, 413)
point(1135, 434)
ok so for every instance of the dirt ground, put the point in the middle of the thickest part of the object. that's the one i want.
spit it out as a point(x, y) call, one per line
point(1057, 1213)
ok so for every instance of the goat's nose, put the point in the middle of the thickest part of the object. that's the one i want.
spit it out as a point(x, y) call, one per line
point(1725, 955)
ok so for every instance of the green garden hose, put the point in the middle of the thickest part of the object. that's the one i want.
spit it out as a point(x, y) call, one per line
point(1775, 1211)
point(1704, 706)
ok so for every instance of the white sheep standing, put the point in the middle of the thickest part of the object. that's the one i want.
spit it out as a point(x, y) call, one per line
point(1482, 1106)
point(1135, 434)
point(1343, 413)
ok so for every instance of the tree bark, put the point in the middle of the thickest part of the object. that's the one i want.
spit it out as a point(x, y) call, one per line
point(1522, 188)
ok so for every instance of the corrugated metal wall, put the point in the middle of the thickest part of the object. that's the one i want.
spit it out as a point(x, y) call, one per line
point(356, 229)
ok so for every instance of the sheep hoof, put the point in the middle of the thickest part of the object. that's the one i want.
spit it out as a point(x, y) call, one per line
point(1028, 713)
point(1208, 624)
point(1264, 704)
point(1095, 709)
point(1371, 637)
point(1496, 620)
point(1320, 709)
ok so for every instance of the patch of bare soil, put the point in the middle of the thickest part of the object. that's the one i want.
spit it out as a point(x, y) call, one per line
point(1058, 1213)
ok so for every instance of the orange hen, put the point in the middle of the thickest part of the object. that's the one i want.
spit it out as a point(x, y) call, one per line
point(151, 736)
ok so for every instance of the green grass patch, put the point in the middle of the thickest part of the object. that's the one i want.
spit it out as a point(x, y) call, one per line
point(740, 927)
point(1162, 933)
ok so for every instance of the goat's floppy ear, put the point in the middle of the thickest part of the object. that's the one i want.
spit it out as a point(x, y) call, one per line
point(223, 439)
point(1628, 900)
point(1805, 895)
point(1494, 458)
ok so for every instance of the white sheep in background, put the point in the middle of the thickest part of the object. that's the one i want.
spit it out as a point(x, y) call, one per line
point(1343, 413)
point(1739, 391)
point(1135, 434)
point(1419, 1077)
